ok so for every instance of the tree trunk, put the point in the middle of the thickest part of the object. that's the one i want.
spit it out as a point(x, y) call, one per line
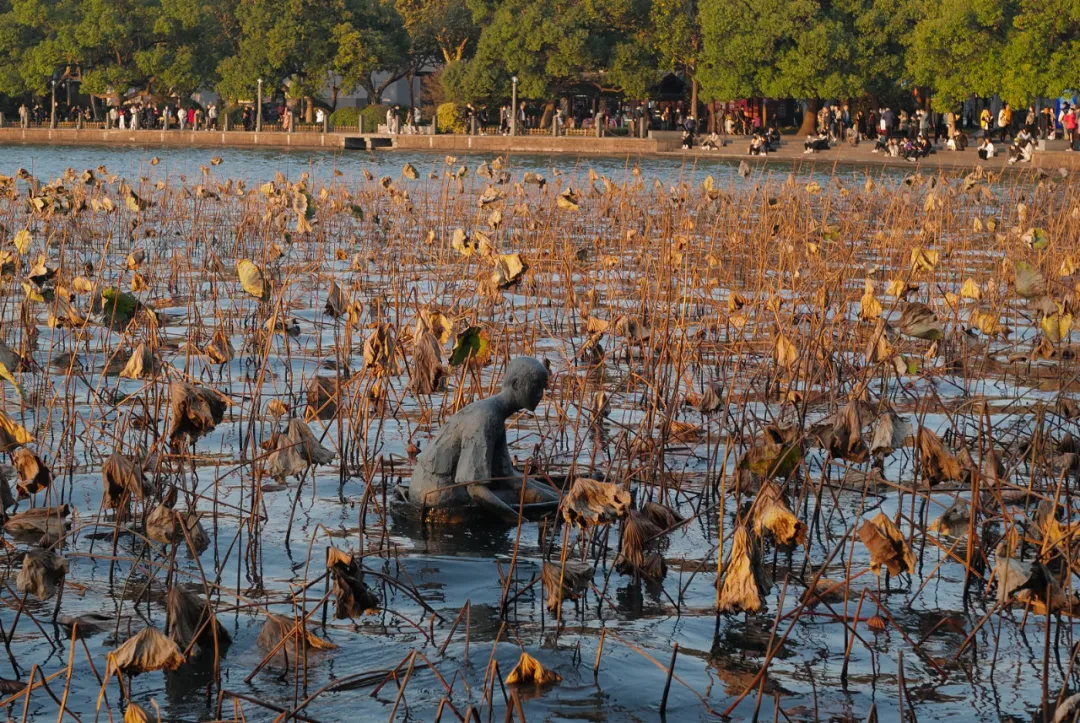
point(309, 109)
point(549, 110)
point(809, 119)
point(693, 103)
point(333, 97)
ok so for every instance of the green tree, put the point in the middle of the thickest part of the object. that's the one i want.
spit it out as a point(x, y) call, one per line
point(439, 30)
point(552, 44)
point(370, 40)
point(957, 48)
point(279, 41)
point(807, 49)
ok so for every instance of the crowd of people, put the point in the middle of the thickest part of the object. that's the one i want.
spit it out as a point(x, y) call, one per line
point(915, 135)
point(897, 133)
point(134, 116)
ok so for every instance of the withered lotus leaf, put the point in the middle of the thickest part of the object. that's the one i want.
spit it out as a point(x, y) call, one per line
point(278, 627)
point(148, 650)
point(565, 581)
point(590, 503)
point(123, 479)
point(42, 570)
point(745, 581)
point(188, 615)
point(34, 474)
point(354, 597)
point(195, 411)
point(886, 545)
point(529, 670)
point(938, 464)
point(771, 514)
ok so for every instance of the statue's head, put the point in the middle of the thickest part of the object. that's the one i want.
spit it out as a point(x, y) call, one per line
point(524, 383)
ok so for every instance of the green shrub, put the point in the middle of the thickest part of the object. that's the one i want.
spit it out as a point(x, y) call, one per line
point(373, 116)
point(345, 118)
point(450, 119)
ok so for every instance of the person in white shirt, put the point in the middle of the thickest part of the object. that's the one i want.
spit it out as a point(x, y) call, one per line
point(986, 149)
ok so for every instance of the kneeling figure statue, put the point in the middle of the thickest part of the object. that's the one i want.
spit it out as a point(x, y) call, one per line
point(468, 463)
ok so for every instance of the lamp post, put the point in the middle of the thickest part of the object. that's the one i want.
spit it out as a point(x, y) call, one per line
point(52, 112)
point(513, 107)
point(258, 109)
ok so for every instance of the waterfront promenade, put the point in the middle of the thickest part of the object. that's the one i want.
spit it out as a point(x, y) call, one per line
point(658, 144)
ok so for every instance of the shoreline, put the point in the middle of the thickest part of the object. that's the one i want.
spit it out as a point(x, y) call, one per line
point(658, 146)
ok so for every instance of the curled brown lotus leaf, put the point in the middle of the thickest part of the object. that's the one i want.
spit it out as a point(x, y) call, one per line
point(427, 369)
point(886, 545)
point(937, 463)
point(711, 399)
point(661, 515)
point(654, 568)
point(337, 302)
point(45, 522)
point(141, 363)
point(632, 329)
point(354, 597)
point(6, 498)
point(123, 479)
point(163, 525)
point(745, 582)
point(295, 451)
point(195, 411)
point(1044, 592)
point(824, 591)
point(639, 535)
point(380, 351)
point(135, 714)
point(278, 627)
point(529, 670)
point(841, 432)
point(188, 614)
point(889, 434)
point(567, 580)
point(953, 522)
point(1050, 532)
point(1009, 574)
point(148, 650)
point(322, 398)
point(220, 349)
point(590, 503)
point(771, 514)
point(42, 570)
point(34, 474)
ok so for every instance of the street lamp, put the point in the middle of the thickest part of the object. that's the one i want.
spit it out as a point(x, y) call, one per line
point(52, 112)
point(258, 109)
point(513, 107)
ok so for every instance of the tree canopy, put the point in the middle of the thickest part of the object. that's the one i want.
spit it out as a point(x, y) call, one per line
point(810, 49)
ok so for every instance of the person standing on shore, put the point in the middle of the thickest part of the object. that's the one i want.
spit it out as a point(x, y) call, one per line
point(24, 115)
point(1068, 123)
point(1004, 121)
point(985, 119)
point(211, 116)
point(390, 118)
point(1046, 122)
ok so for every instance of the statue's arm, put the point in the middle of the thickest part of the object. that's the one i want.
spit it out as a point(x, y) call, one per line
point(475, 465)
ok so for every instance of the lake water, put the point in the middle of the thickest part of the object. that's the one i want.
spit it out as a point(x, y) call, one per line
point(79, 418)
